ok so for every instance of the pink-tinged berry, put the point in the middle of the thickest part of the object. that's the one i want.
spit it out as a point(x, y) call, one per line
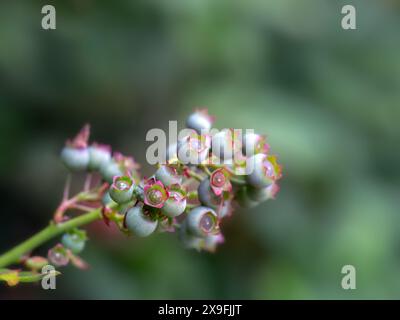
point(36, 262)
point(202, 221)
point(176, 202)
point(154, 193)
point(58, 255)
point(99, 155)
point(254, 143)
point(225, 144)
point(140, 223)
point(262, 170)
point(219, 181)
point(200, 121)
point(119, 165)
point(168, 175)
point(75, 154)
point(207, 196)
point(194, 149)
point(121, 190)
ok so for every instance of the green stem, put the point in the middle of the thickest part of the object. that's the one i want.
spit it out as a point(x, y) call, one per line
point(195, 175)
point(237, 181)
point(51, 231)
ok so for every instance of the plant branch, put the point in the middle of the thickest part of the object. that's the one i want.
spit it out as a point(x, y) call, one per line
point(51, 231)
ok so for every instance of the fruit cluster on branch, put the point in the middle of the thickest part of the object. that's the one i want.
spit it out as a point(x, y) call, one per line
point(205, 177)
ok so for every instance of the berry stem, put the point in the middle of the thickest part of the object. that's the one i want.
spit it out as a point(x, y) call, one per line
point(195, 175)
point(237, 181)
point(205, 169)
point(67, 187)
point(88, 182)
point(51, 231)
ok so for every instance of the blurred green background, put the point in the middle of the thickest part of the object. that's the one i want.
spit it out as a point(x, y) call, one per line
point(327, 98)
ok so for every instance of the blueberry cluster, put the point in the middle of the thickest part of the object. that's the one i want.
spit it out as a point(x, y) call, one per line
point(205, 177)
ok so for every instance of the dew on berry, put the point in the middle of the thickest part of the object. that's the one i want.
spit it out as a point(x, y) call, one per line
point(122, 185)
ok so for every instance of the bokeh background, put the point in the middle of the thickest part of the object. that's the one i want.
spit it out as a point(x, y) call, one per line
point(327, 98)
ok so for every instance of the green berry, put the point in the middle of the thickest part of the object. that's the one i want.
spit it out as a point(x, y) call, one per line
point(121, 190)
point(193, 149)
point(139, 223)
point(107, 200)
point(254, 143)
point(175, 204)
point(200, 121)
point(201, 221)
point(168, 175)
point(74, 240)
point(222, 145)
point(75, 159)
point(207, 196)
point(110, 169)
point(262, 170)
point(99, 155)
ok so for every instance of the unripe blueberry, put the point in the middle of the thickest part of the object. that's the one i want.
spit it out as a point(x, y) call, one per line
point(99, 155)
point(262, 170)
point(244, 200)
point(207, 196)
point(58, 255)
point(175, 204)
point(263, 194)
point(193, 149)
point(75, 154)
point(106, 200)
point(200, 121)
point(168, 175)
point(75, 159)
point(74, 241)
point(119, 165)
point(201, 221)
point(219, 181)
point(225, 144)
point(139, 223)
point(254, 143)
point(110, 169)
point(121, 189)
point(154, 193)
